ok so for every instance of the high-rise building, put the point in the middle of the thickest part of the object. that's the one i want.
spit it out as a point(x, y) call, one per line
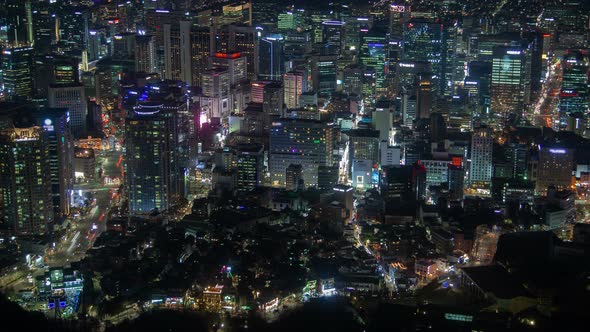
point(482, 143)
point(152, 166)
point(145, 54)
point(294, 84)
point(73, 98)
point(555, 168)
point(324, 69)
point(250, 166)
point(509, 88)
point(364, 145)
point(25, 180)
point(374, 55)
point(517, 156)
point(308, 143)
point(574, 94)
point(270, 55)
point(60, 146)
point(235, 64)
point(215, 96)
point(333, 36)
point(273, 99)
point(423, 41)
point(293, 177)
point(17, 72)
point(237, 38)
point(327, 177)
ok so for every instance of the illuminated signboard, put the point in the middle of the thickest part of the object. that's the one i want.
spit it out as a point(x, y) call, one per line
point(223, 55)
point(513, 52)
point(398, 9)
point(557, 151)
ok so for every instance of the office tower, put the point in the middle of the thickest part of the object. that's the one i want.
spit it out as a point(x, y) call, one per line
point(308, 143)
point(152, 170)
point(424, 95)
point(60, 145)
point(270, 55)
point(234, 62)
point(237, 13)
point(555, 168)
point(242, 39)
point(25, 180)
point(200, 44)
point(397, 184)
point(145, 54)
point(297, 44)
point(373, 55)
point(294, 84)
point(17, 72)
point(327, 177)
point(53, 69)
point(73, 98)
point(574, 94)
point(517, 156)
point(250, 166)
point(333, 37)
point(72, 23)
point(423, 41)
point(398, 15)
point(480, 171)
point(405, 74)
point(215, 94)
point(509, 85)
point(273, 99)
point(352, 80)
point(456, 176)
point(123, 45)
point(172, 52)
point(18, 22)
point(324, 70)
point(382, 120)
point(389, 155)
point(364, 145)
point(43, 27)
point(103, 81)
point(293, 177)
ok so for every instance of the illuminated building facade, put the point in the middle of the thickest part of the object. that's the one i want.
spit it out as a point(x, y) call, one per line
point(573, 97)
point(555, 168)
point(151, 158)
point(509, 89)
point(294, 84)
point(17, 72)
point(73, 98)
point(270, 55)
point(26, 180)
point(305, 142)
point(482, 143)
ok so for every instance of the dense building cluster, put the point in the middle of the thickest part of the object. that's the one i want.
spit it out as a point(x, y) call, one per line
point(246, 157)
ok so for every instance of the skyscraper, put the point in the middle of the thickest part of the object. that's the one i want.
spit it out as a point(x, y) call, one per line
point(294, 84)
point(151, 158)
point(508, 87)
point(72, 97)
point(270, 55)
point(482, 142)
point(555, 168)
point(145, 54)
point(17, 72)
point(308, 143)
point(573, 97)
point(250, 166)
point(25, 180)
